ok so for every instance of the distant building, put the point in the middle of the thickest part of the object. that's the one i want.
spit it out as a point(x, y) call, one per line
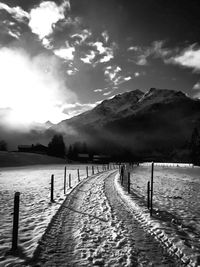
point(101, 158)
point(38, 148)
point(83, 157)
point(25, 148)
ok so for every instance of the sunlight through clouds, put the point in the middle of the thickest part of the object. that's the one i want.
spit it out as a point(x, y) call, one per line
point(36, 92)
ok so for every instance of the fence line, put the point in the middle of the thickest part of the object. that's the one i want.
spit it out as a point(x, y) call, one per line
point(17, 199)
point(124, 172)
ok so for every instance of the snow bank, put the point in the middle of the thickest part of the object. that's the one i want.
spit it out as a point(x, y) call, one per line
point(163, 164)
point(171, 242)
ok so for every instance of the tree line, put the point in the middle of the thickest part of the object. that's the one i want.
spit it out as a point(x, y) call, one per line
point(56, 147)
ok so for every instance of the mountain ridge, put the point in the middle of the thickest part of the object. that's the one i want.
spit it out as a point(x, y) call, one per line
point(135, 123)
point(125, 104)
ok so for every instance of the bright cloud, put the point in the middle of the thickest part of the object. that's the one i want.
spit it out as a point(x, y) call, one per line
point(128, 78)
point(142, 60)
point(71, 72)
point(111, 72)
point(98, 90)
point(103, 50)
point(66, 53)
point(114, 77)
point(14, 34)
point(190, 58)
point(17, 12)
point(133, 48)
point(44, 16)
point(47, 43)
point(107, 93)
point(36, 92)
point(109, 55)
point(81, 36)
point(89, 57)
point(100, 47)
point(136, 74)
point(105, 53)
point(105, 36)
point(196, 86)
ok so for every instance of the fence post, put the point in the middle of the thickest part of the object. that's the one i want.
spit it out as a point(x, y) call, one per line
point(52, 187)
point(78, 175)
point(87, 170)
point(152, 170)
point(129, 183)
point(122, 175)
point(148, 195)
point(98, 169)
point(70, 181)
point(15, 222)
point(92, 170)
point(65, 180)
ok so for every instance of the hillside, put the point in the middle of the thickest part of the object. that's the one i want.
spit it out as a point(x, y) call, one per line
point(136, 123)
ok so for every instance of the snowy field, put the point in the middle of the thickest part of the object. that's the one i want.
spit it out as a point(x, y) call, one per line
point(175, 221)
point(176, 202)
point(36, 210)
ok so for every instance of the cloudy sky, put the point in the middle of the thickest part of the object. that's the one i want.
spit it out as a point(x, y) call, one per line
point(59, 58)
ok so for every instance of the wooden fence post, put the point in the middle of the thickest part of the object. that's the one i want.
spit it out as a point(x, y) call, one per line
point(70, 181)
point(152, 170)
point(92, 170)
point(15, 222)
point(52, 187)
point(148, 195)
point(122, 175)
point(65, 180)
point(78, 175)
point(129, 183)
point(87, 170)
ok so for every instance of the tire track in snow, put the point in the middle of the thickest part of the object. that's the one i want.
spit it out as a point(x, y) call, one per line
point(149, 251)
point(85, 232)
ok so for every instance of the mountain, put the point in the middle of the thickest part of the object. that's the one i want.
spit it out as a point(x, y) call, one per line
point(48, 124)
point(136, 123)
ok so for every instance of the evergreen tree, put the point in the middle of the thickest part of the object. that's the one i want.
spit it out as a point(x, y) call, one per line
point(84, 148)
point(57, 146)
point(70, 152)
point(3, 145)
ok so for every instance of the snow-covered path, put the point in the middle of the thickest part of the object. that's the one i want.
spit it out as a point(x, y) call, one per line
point(94, 228)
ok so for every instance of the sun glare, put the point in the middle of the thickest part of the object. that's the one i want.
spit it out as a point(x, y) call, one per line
point(30, 88)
